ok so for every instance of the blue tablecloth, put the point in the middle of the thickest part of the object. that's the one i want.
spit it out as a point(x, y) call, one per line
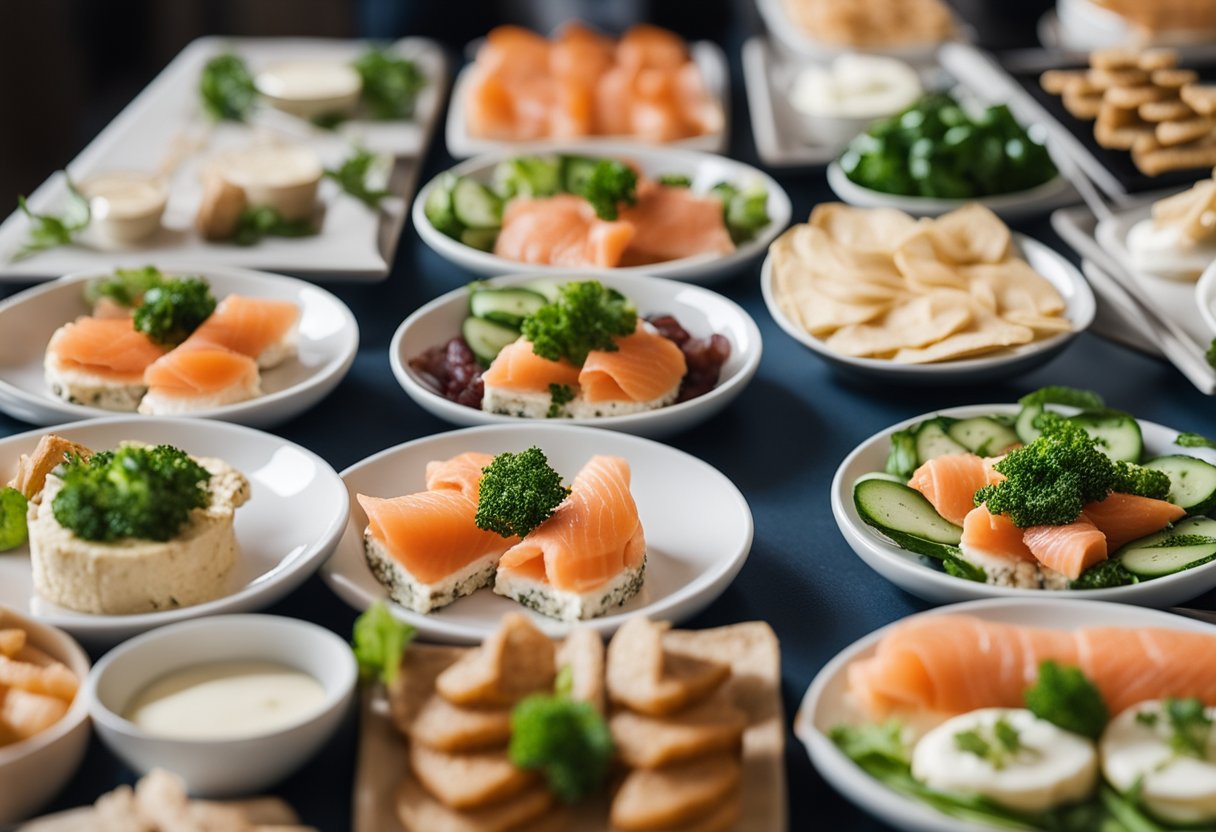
point(780, 443)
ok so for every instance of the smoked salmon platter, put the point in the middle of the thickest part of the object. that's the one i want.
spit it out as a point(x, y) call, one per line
point(633, 528)
point(218, 343)
point(578, 208)
point(222, 161)
point(1021, 714)
point(444, 356)
point(1057, 494)
point(649, 85)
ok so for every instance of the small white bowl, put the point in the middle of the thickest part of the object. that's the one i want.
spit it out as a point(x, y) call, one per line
point(1079, 308)
point(705, 170)
point(700, 311)
point(124, 221)
point(292, 86)
point(232, 766)
point(1020, 205)
point(34, 770)
point(914, 574)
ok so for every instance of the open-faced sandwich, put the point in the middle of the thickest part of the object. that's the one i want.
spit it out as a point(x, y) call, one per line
point(139, 528)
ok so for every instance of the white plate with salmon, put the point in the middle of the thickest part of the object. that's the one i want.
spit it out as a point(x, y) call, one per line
point(1022, 714)
point(682, 354)
point(1057, 494)
point(572, 525)
point(237, 519)
point(577, 208)
point(230, 344)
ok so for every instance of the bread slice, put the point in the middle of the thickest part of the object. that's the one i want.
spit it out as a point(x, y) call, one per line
point(418, 811)
point(647, 678)
point(447, 727)
point(654, 799)
point(720, 818)
point(414, 683)
point(514, 661)
point(583, 653)
point(649, 742)
point(468, 781)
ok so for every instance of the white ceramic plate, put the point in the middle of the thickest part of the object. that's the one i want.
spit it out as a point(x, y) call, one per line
point(914, 574)
point(705, 169)
point(1022, 205)
point(288, 527)
point(698, 526)
point(328, 341)
point(708, 57)
point(826, 703)
point(700, 311)
point(165, 123)
point(1079, 309)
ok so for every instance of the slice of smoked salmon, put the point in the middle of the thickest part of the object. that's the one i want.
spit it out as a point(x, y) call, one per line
point(192, 371)
point(518, 368)
point(591, 538)
point(994, 534)
point(1069, 549)
point(672, 223)
point(107, 347)
point(460, 473)
point(431, 533)
point(1125, 517)
point(645, 367)
point(652, 47)
point(561, 230)
point(949, 483)
point(248, 325)
point(950, 664)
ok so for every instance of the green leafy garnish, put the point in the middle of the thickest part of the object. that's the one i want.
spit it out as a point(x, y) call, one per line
point(1067, 396)
point(675, 180)
point(227, 88)
point(354, 174)
point(972, 743)
point(745, 212)
point(254, 224)
point(1210, 354)
point(13, 528)
point(1065, 697)
point(1001, 743)
point(518, 492)
point(48, 230)
point(137, 491)
point(1193, 440)
point(1103, 575)
point(609, 184)
point(560, 395)
point(390, 84)
point(567, 740)
point(126, 287)
point(379, 642)
point(174, 309)
point(1190, 727)
point(585, 316)
point(874, 747)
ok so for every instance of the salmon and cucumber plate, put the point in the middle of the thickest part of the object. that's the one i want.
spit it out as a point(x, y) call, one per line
point(162, 344)
point(581, 211)
point(576, 349)
point(1008, 726)
point(1059, 492)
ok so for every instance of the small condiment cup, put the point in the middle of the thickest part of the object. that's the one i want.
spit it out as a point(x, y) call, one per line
point(222, 767)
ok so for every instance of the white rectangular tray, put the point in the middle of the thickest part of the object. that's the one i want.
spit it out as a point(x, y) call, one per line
point(779, 140)
point(165, 121)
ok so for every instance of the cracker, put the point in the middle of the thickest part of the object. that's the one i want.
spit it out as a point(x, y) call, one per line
point(1115, 58)
point(11, 640)
point(1153, 59)
point(721, 819)
point(418, 811)
point(583, 652)
point(1199, 154)
point(1173, 110)
point(414, 684)
point(675, 795)
point(650, 742)
point(448, 727)
point(1200, 97)
point(1120, 138)
point(471, 780)
point(1174, 78)
point(1133, 96)
point(1056, 81)
point(1171, 133)
point(515, 660)
point(1104, 79)
point(1084, 106)
point(986, 335)
point(1113, 117)
point(648, 678)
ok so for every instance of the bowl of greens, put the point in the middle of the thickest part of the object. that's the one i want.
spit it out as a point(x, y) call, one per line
point(941, 153)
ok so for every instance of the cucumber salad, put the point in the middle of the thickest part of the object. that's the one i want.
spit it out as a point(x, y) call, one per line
point(1059, 494)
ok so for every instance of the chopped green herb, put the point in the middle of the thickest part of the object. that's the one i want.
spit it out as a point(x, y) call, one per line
point(586, 316)
point(254, 224)
point(518, 492)
point(380, 641)
point(1193, 440)
point(227, 88)
point(1065, 697)
point(1148, 719)
point(560, 395)
point(171, 311)
point(126, 287)
point(390, 84)
point(13, 528)
point(610, 184)
point(1102, 575)
point(1006, 735)
point(355, 173)
point(48, 230)
point(972, 743)
point(1190, 726)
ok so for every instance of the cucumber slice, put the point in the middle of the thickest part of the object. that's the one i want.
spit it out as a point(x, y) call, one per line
point(906, 517)
point(438, 207)
point(1191, 542)
point(547, 288)
point(482, 239)
point(486, 338)
point(504, 306)
point(933, 440)
point(982, 435)
point(1192, 481)
point(475, 205)
point(1118, 435)
point(1024, 424)
point(881, 475)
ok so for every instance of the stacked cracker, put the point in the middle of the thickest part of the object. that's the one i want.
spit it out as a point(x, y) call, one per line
point(1140, 100)
point(35, 689)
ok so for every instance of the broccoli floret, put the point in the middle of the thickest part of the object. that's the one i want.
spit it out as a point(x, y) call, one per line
point(380, 641)
point(1051, 479)
point(610, 183)
point(1103, 575)
point(1065, 697)
point(126, 287)
point(13, 528)
point(173, 310)
point(144, 492)
point(1143, 482)
point(518, 492)
point(746, 213)
point(586, 316)
point(227, 88)
point(566, 739)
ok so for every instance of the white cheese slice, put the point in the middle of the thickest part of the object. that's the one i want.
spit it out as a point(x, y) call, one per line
point(527, 405)
point(82, 387)
point(415, 594)
point(570, 606)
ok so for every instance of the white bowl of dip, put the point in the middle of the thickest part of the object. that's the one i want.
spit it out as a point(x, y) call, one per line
point(232, 704)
